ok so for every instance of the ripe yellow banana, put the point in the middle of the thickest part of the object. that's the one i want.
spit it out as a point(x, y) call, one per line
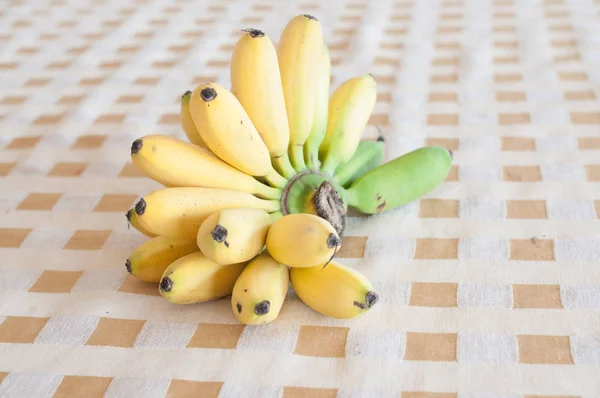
point(229, 133)
point(187, 122)
point(149, 261)
point(317, 133)
point(350, 107)
point(299, 48)
point(260, 291)
point(132, 220)
point(196, 279)
point(179, 212)
point(234, 235)
point(302, 240)
point(176, 163)
point(256, 83)
point(336, 290)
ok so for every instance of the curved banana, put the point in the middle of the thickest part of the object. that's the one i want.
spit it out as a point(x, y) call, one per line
point(149, 261)
point(135, 223)
point(336, 290)
point(229, 133)
point(368, 155)
point(300, 45)
point(234, 235)
point(196, 279)
point(302, 240)
point(187, 122)
point(400, 181)
point(317, 132)
point(179, 212)
point(256, 82)
point(260, 291)
point(350, 107)
point(176, 163)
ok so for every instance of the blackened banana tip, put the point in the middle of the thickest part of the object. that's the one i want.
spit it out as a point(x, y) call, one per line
point(128, 215)
point(128, 265)
point(262, 308)
point(451, 154)
point(371, 298)
point(186, 94)
point(140, 207)
point(219, 233)
point(310, 17)
point(381, 138)
point(208, 94)
point(333, 241)
point(166, 284)
point(136, 146)
point(254, 33)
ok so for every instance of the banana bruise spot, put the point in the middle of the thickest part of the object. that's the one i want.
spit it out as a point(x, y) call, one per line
point(254, 33)
point(262, 308)
point(128, 265)
point(219, 234)
point(166, 284)
point(371, 298)
point(128, 217)
point(239, 308)
point(329, 205)
point(208, 94)
point(136, 146)
point(140, 207)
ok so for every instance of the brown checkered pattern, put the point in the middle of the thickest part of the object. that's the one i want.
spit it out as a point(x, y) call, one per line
point(489, 284)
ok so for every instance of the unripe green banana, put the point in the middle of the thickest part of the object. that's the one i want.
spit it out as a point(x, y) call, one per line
point(400, 181)
point(368, 155)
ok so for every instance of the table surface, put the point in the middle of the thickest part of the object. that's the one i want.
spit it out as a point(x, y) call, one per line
point(490, 285)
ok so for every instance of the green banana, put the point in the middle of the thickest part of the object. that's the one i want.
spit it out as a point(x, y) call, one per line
point(400, 181)
point(368, 155)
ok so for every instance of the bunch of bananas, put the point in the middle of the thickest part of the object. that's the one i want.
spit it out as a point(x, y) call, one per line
point(258, 197)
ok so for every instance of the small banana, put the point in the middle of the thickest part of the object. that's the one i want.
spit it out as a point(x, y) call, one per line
point(400, 181)
point(336, 290)
point(176, 163)
point(256, 82)
point(302, 240)
point(179, 212)
point(368, 155)
point(149, 261)
point(229, 133)
point(187, 122)
point(196, 279)
point(317, 132)
point(260, 291)
point(234, 235)
point(350, 107)
point(299, 48)
point(134, 222)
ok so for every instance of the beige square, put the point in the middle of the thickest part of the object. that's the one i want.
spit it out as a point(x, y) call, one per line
point(13, 237)
point(78, 50)
point(593, 172)
point(444, 79)
point(396, 31)
point(551, 396)
point(442, 97)
point(56, 281)
point(506, 44)
point(518, 144)
point(425, 294)
point(573, 76)
point(352, 247)
point(446, 30)
point(510, 96)
point(20, 329)
point(13, 100)
point(39, 201)
point(67, 169)
point(424, 394)
point(430, 346)
point(567, 57)
point(130, 99)
point(384, 97)
point(115, 203)
point(116, 332)
point(507, 77)
point(506, 59)
point(536, 296)
point(206, 21)
point(526, 209)
point(129, 170)
point(585, 117)
point(91, 81)
point(23, 142)
point(203, 79)
point(163, 64)
point(579, 95)
point(448, 143)
point(387, 61)
point(6, 168)
point(385, 46)
point(8, 65)
point(71, 99)
point(442, 119)
point(170, 118)
point(447, 45)
point(400, 17)
point(504, 29)
point(82, 386)
point(452, 174)
point(558, 14)
point(322, 341)
point(87, 240)
point(136, 286)
point(127, 49)
point(111, 64)
point(302, 392)
point(2, 376)
point(194, 389)
point(213, 335)
point(438, 208)
point(381, 79)
point(446, 61)
point(48, 119)
point(597, 206)
point(532, 249)
point(37, 82)
point(544, 349)
point(436, 249)
point(564, 43)
point(109, 119)
point(218, 63)
point(522, 173)
point(90, 141)
point(147, 81)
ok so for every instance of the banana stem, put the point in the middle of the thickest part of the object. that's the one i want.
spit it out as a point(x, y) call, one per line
point(329, 165)
point(267, 192)
point(297, 157)
point(312, 158)
point(271, 206)
point(276, 216)
point(275, 180)
point(283, 166)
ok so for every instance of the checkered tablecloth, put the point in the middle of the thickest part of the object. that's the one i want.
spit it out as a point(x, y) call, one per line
point(490, 285)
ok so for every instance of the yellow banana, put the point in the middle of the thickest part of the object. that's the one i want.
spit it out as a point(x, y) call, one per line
point(229, 133)
point(336, 290)
point(234, 235)
point(176, 163)
point(317, 133)
point(350, 107)
point(256, 83)
point(132, 220)
point(149, 261)
point(196, 279)
point(299, 48)
point(179, 212)
point(302, 240)
point(260, 291)
point(188, 123)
